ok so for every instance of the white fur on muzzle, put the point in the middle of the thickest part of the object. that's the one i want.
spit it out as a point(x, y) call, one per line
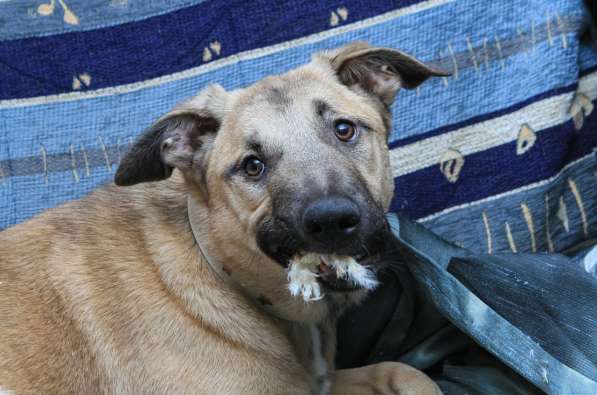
point(303, 273)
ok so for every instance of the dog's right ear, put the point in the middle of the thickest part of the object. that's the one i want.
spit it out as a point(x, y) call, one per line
point(180, 139)
point(380, 72)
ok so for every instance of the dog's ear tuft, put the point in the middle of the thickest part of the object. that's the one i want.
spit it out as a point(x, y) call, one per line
point(379, 71)
point(179, 140)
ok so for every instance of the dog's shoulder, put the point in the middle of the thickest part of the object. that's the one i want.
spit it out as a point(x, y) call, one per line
point(64, 268)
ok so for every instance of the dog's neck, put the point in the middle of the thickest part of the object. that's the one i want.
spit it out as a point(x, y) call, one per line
point(261, 281)
point(316, 354)
point(251, 294)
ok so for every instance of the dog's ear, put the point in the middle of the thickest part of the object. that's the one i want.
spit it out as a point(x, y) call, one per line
point(379, 71)
point(180, 139)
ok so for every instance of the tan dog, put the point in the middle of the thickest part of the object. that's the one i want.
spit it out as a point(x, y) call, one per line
point(180, 286)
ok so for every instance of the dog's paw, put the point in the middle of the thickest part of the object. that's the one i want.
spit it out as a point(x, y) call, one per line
point(386, 378)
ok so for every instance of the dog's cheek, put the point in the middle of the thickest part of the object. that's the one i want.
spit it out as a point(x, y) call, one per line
point(265, 238)
point(275, 241)
point(387, 188)
point(379, 180)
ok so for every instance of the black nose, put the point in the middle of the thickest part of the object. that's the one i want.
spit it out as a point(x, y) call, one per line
point(331, 219)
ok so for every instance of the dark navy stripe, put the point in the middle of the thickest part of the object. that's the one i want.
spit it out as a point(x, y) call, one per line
point(588, 70)
point(482, 117)
point(494, 171)
point(164, 44)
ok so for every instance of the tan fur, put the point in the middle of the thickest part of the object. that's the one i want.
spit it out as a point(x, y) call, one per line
point(112, 294)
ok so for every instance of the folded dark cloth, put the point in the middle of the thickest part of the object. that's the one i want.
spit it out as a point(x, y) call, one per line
point(478, 323)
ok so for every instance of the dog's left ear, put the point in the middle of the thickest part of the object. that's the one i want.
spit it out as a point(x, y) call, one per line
point(379, 71)
point(181, 139)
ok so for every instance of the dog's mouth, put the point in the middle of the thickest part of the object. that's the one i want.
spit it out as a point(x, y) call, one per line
point(329, 276)
point(312, 275)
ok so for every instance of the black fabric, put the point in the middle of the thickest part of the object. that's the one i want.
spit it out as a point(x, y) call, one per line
point(397, 323)
point(361, 328)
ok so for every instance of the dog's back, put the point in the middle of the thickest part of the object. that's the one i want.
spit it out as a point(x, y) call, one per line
point(39, 340)
point(85, 307)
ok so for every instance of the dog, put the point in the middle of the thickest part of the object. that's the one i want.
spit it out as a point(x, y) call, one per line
point(175, 280)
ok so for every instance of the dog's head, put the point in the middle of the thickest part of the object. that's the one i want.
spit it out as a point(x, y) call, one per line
point(296, 163)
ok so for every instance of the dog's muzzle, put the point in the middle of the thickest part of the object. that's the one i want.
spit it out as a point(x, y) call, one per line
point(338, 243)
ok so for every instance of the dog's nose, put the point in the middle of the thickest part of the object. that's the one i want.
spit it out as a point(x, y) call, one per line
point(331, 219)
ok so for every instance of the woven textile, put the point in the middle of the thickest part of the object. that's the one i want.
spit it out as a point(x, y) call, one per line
point(498, 157)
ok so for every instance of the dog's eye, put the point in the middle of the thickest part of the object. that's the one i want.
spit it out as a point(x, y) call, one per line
point(254, 167)
point(345, 130)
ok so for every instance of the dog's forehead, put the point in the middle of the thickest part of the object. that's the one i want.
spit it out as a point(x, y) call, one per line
point(293, 98)
point(281, 92)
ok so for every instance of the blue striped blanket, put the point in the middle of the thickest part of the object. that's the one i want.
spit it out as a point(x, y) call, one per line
point(498, 157)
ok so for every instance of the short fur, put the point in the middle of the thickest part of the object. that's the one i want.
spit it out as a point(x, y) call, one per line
point(113, 293)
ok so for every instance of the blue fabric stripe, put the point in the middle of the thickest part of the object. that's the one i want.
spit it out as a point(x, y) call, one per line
point(174, 42)
point(163, 44)
point(494, 171)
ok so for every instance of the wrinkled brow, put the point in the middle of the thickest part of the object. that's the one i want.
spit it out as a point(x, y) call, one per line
point(265, 152)
point(254, 145)
point(321, 107)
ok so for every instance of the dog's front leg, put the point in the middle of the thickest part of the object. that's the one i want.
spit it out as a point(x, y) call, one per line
point(386, 378)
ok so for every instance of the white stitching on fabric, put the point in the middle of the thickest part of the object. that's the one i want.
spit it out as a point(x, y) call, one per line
point(549, 34)
point(547, 225)
point(454, 62)
point(118, 143)
point(499, 48)
point(86, 160)
point(472, 52)
point(562, 214)
point(73, 163)
point(444, 79)
point(487, 232)
point(44, 159)
point(522, 36)
point(106, 156)
point(528, 217)
point(562, 33)
point(486, 51)
point(581, 207)
point(511, 242)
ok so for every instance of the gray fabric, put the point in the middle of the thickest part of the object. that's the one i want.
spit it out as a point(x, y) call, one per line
point(559, 361)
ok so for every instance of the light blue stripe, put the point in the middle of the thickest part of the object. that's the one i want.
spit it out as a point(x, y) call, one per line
point(20, 19)
point(25, 197)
